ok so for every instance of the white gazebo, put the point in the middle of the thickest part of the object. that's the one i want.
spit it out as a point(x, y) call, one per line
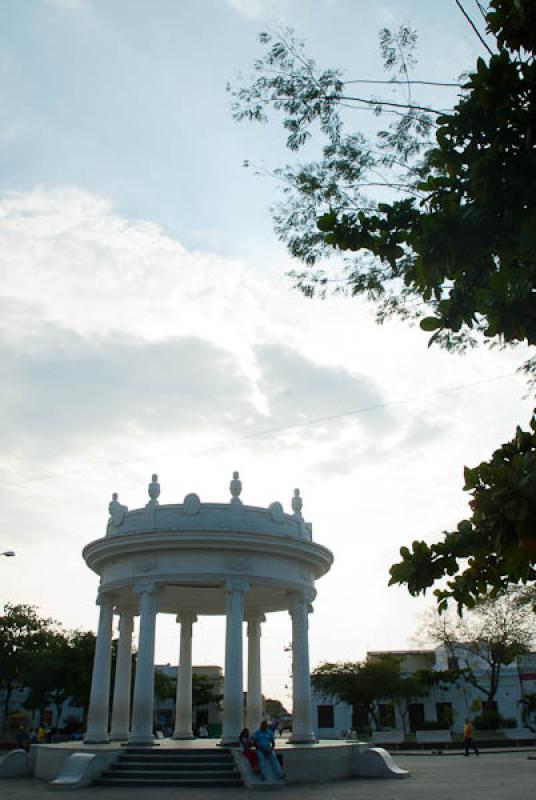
point(191, 559)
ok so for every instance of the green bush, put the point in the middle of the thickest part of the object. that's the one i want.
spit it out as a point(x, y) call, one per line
point(493, 721)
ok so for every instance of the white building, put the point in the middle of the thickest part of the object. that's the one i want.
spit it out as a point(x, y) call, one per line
point(448, 703)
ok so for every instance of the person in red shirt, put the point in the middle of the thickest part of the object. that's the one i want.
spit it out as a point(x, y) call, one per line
point(248, 750)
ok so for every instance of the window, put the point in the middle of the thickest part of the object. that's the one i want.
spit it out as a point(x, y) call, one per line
point(416, 716)
point(386, 715)
point(326, 717)
point(452, 663)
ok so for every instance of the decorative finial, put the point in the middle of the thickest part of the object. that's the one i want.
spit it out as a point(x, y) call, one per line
point(297, 504)
point(154, 490)
point(235, 487)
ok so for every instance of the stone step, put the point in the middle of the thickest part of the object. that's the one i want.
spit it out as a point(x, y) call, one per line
point(150, 765)
point(161, 758)
point(181, 766)
point(167, 773)
point(149, 781)
point(156, 751)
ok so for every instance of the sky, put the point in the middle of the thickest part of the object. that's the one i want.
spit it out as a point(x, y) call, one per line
point(147, 323)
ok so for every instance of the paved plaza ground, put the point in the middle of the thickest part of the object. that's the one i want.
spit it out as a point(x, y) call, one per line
point(492, 776)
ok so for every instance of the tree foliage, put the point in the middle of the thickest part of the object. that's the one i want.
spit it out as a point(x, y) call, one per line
point(37, 654)
point(363, 684)
point(493, 635)
point(439, 212)
point(61, 670)
point(203, 689)
point(496, 546)
point(79, 667)
point(274, 708)
point(23, 634)
point(457, 243)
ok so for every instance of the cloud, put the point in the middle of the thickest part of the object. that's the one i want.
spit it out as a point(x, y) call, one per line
point(255, 9)
point(66, 391)
point(301, 390)
point(112, 332)
point(69, 5)
point(77, 263)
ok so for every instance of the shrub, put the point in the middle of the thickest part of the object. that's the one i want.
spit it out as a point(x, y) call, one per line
point(493, 721)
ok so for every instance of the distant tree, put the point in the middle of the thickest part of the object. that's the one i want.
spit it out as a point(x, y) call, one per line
point(494, 634)
point(47, 674)
point(165, 687)
point(203, 691)
point(23, 634)
point(363, 684)
point(274, 708)
point(61, 670)
point(79, 669)
point(414, 686)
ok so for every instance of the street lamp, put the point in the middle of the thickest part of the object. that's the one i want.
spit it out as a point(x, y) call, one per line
point(8, 553)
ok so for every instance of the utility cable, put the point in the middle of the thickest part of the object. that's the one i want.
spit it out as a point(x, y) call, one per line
point(279, 429)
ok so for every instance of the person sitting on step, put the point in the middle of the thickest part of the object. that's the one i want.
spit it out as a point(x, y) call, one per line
point(264, 744)
point(247, 749)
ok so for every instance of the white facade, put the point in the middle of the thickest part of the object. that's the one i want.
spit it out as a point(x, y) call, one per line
point(191, 559)
point(516, 681)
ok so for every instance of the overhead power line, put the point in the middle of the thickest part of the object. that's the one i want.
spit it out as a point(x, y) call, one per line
point(355, 412)
point(276, 430)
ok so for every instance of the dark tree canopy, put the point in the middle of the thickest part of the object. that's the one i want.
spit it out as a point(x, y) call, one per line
point(457, 244)
point(363, 684)
point(274, 708)
point(36, 653)
point(204, 691)
point(23, 633)
point(496, 546)
point(451, 240)
point(203, 688)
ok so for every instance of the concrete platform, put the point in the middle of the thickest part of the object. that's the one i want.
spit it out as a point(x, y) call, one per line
point(329, 760)
point(489, 777)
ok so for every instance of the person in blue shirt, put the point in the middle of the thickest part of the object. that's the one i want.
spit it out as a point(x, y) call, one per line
point(264, 744)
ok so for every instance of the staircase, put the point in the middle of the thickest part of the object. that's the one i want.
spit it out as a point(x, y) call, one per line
point(181, 766)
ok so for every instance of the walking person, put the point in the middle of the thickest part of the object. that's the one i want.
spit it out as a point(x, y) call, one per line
point(265, 743)
point(468, 737)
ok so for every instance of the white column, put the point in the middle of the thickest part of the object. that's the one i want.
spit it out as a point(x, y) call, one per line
point(123, 675)
point(302, 724)
point(142, 711)
point(183, 707)
point(99, 699)
point(254, 703)
point(233, 693)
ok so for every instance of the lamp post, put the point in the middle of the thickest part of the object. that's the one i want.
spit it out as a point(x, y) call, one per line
point(8, 553)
